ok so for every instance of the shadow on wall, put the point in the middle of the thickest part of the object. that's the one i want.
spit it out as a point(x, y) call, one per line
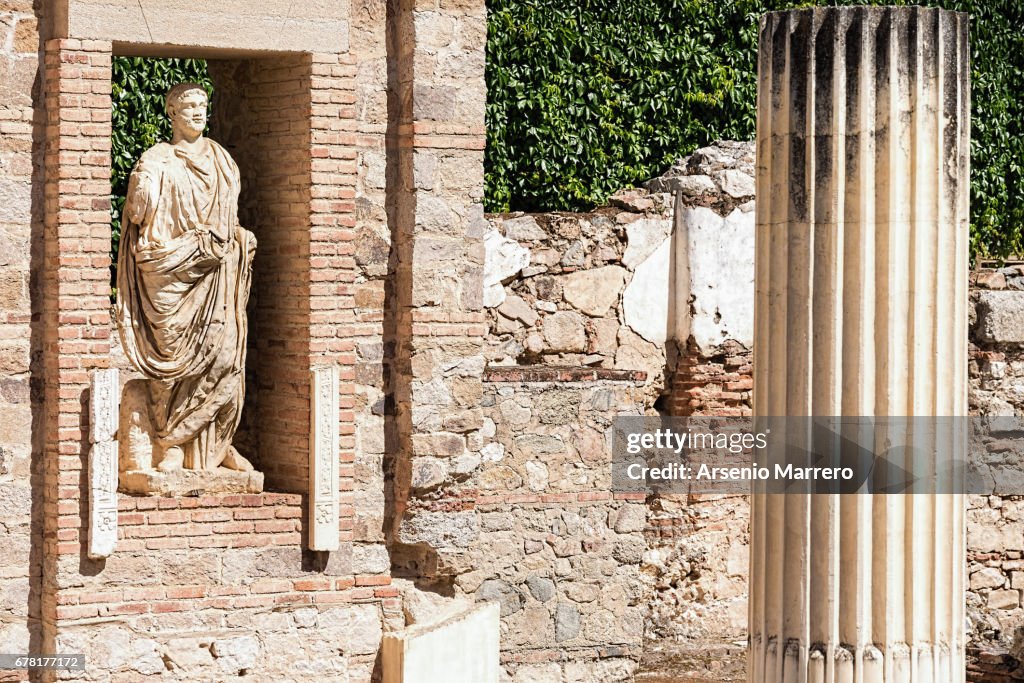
point(39, 572)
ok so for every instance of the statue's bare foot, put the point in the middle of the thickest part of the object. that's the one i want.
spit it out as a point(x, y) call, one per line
point(234, 461)
point(173, 459)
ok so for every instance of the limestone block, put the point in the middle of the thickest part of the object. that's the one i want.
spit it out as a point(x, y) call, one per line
point(190, 482)
point(428, 473)
point(440, 529)
point(536, 475)
point(594, 291)
point(503, 258)
point(715, 275)
point(188, 654)
point(646, 301)
point(504, 325)
point(15, 434)
point(630, 518)
point(1001, 316)
point(372, 253)
point(493, 452)
point(361, 625)
point(465, 464)
point(104, 398)
point(424, 607)
point(1004, 599)
point(988, 577)
point(565, 331)
point(644, 237)
point(461, 649)
point(234, 654)
point(689, 185)
point(274, 25)
point(515, 307)
point(323, 459)
point(103, 477)
point(736, 184)
point(575, 256)
point(567, 622)
point(15, 201)
point(146, 657)
point(539, 445)
point(523, 229)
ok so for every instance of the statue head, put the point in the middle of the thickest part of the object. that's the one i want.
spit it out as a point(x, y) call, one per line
point(186, 106)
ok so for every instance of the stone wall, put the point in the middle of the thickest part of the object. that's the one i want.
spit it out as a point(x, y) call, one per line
point(558, 550)
point(646, 285)
point(20, 159)
point(995, 524)
point(694, 561)
point(339, 182)
point(211, 586)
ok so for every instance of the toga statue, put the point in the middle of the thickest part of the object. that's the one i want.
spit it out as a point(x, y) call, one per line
point(183, 276)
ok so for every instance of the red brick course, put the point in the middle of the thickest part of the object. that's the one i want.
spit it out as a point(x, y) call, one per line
point(718, 384)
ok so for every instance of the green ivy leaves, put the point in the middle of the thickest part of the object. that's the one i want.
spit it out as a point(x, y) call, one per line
point(588, 96)
point(138, 88)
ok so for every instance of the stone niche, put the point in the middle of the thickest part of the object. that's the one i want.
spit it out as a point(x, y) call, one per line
point(260, 114)
point(283, 116)
point(289, 130)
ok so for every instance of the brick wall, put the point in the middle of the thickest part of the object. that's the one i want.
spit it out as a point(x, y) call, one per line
point(719, 383)
point(209, 557)
point(298, 186)
point(75, 292)
point(220, 585)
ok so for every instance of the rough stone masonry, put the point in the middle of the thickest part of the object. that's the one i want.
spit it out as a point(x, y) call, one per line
point(481, 360)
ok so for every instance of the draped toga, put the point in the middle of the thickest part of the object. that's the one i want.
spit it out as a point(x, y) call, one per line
point(183, 277)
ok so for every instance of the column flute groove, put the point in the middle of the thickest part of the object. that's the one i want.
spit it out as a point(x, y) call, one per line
point(860, 310)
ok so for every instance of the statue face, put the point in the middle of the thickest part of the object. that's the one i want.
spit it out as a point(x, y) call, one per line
point(188, 114)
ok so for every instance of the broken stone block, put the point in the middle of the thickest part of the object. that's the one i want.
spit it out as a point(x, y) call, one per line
point(989, 577)
point(536, 475)
point(514, 307)
point(428, 473)
point(439, 529)
point(524, 229)
point(644, 236)
point(594, 291)
point(565, 331)
point(645, 302)
point(1001, 317)
point(736, 184)
point(503, 258)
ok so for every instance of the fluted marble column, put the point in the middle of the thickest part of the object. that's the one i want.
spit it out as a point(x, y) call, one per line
point(861, 309)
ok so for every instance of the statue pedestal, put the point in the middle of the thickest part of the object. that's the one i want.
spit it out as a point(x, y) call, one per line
point(189, 482)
